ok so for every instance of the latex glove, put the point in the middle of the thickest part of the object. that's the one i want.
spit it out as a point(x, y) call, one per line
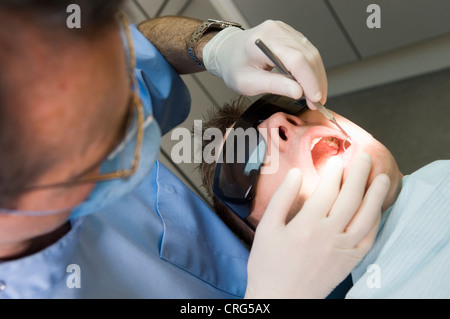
point(319, 247)
point(233, 55)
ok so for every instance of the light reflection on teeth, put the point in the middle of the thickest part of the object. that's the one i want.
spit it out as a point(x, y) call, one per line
point(331, 141)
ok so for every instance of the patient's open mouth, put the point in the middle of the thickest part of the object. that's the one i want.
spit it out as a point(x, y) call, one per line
point(322, 148)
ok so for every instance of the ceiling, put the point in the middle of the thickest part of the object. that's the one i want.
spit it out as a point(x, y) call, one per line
point(336, 27)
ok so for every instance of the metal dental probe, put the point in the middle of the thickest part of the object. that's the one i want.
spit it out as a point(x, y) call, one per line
point(280, 66)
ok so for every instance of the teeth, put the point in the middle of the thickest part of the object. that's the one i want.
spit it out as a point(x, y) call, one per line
point(331, 141)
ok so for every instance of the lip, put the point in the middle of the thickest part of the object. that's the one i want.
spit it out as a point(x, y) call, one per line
point(324, 131)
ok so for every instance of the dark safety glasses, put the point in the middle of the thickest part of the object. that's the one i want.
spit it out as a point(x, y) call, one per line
point(244, 151)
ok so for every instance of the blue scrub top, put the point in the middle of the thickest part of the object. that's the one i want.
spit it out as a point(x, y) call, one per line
point(160, 241)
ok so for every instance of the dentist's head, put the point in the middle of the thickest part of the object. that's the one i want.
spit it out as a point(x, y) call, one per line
point(66, 101)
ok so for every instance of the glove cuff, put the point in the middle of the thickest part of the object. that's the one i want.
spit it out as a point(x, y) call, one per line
point(213, 49)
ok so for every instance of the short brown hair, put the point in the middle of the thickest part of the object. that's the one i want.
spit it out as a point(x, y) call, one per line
point(223, 118)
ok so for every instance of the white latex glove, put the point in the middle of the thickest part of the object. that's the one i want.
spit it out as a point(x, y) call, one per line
point(233, 55)
point(319, 247)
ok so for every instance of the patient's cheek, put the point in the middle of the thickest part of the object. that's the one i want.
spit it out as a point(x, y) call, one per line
point(267, 186)
point(265, 189)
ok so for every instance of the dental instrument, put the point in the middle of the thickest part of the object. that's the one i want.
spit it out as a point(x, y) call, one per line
point(279, 65)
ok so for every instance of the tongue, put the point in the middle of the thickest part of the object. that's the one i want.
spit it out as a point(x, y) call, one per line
point(322, 151)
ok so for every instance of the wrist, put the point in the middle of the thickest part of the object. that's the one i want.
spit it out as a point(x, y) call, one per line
point(215, 48)
point(204, 33)
point(200, 46)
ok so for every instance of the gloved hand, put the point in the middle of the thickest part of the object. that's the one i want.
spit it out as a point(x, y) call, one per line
point(233, 55)
point(318, 248)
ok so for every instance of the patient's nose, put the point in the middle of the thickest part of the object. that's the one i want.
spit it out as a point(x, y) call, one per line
point(285, 126)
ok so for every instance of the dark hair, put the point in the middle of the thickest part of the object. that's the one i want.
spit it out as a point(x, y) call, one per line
point(21, 162)
point(223, 118)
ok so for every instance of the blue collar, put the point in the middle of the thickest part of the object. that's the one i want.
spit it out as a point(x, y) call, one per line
point(32, 275)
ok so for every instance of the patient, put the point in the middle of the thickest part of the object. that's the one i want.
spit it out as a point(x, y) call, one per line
point(412, 247)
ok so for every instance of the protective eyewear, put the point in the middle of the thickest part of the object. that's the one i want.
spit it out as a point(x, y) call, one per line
point(242, 156)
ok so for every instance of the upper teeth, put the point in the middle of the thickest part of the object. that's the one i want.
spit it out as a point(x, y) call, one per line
point(331, 141)
point(315, 141)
